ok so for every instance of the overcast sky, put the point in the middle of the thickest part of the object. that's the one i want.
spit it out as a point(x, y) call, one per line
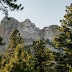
point(41, 12)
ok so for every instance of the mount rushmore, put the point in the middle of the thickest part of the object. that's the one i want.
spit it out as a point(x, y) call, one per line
point(28, 31)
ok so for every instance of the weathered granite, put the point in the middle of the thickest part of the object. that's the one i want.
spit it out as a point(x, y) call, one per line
point(27, 29)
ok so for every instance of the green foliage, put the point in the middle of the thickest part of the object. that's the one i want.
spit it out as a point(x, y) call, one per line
point(64, 39)
point(27, 48)
point(43, 57)
point(1, 39)
point(61, 62)
point(15, 39)
point(18, 58)
point(2, 61)
point(9, 5)
point(22, 62)
point(50, 43)
point(47, 41)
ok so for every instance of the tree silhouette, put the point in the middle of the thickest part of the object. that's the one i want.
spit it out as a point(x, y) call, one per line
point(6, 5)
point(1, 39)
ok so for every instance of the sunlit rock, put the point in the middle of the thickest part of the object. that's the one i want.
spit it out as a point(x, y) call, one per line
point(27, 29)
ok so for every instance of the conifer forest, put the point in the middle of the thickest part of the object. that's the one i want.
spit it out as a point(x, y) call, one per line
point(36, 57)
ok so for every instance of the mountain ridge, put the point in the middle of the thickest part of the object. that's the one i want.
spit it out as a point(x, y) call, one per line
point(27, 29)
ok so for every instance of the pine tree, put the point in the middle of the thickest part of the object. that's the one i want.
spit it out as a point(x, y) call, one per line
point(15, 39)
point(43, 57)
point(22, 62)
point(1, 39)
point(2, 61)
point(60, 65)
point(64, 39)
point(6, 5)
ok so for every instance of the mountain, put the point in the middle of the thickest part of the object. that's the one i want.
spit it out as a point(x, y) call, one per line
point(28, 31)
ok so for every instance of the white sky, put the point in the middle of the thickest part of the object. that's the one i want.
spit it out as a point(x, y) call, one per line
point(41, 12)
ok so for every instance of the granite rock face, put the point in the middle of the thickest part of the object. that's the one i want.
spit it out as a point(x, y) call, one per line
point(27, 29)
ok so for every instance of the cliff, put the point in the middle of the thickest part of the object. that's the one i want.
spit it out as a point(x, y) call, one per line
point(27, 29)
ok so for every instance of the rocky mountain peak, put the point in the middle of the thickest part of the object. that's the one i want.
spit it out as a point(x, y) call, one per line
point(6, 19)
point(27, 29)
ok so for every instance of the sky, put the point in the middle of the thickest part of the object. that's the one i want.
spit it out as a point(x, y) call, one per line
point(41, 12)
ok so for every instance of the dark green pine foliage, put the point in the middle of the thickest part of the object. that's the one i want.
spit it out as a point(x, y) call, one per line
point(1, 39)
point(15, 39)
point(2, 61)
point(61, 64)
point(43, 57)
point(64, 40)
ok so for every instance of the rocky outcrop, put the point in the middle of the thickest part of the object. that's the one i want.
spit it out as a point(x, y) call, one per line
point(27, 29)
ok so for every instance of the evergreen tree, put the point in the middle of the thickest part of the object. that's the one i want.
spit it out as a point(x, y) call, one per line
point(2, 61)
point(60, 65)
point(6, 5)
point(43, 57)
point(15, 39)
point(64, 39)
point(22, 62)
point(1, 39)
